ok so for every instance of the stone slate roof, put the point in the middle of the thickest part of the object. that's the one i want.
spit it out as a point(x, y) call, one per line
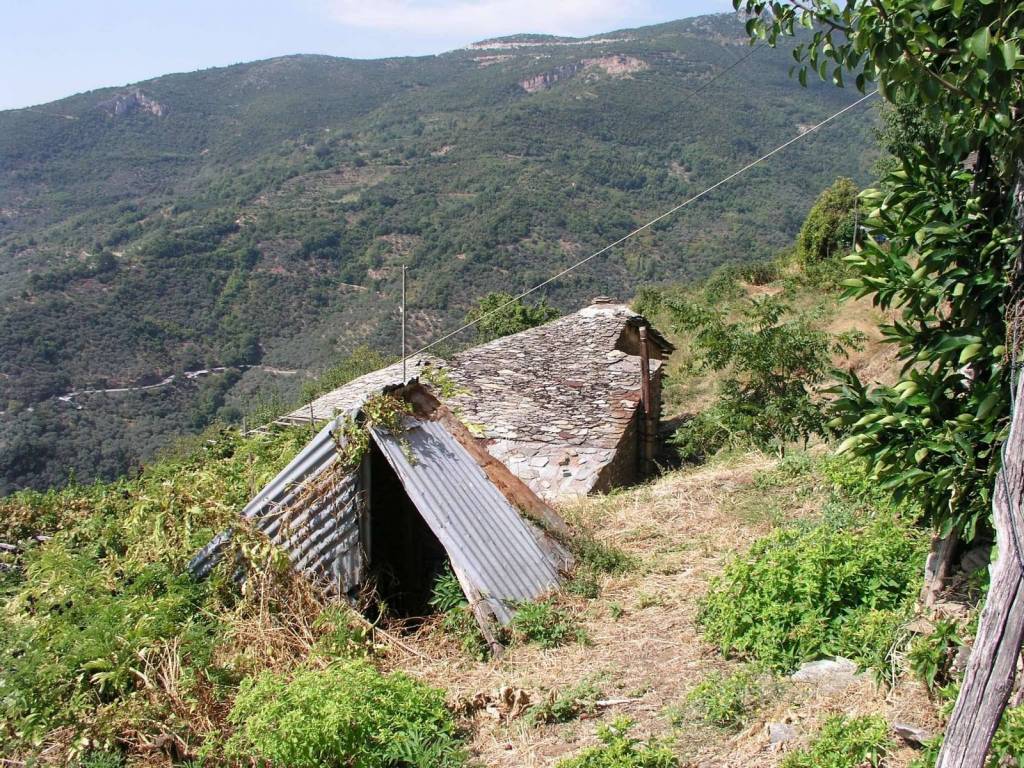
point(563, 382)
point(552, 402)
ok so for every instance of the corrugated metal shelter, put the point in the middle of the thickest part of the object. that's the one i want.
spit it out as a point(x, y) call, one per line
point(428, 493)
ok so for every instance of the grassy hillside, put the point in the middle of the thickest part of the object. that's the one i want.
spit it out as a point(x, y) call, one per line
point(258, 213)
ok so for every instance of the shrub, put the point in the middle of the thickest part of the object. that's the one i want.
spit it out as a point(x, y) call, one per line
point(827, 232)
point(802, 592)
point(726, 700)
point(619, 750)
point(90, 613)
point(545, 624)
point(360, 361)
point(458, 620)
point(566, 706)
point(347, 714)
point(843, 742)
point(773, 359)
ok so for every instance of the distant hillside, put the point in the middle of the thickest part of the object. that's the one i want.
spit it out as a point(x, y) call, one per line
point(259, 213)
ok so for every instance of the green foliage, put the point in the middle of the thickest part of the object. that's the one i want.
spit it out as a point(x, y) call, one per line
point(600, 556)
point(384, 412)
point(815, 590)
point(931, 656)
point(584, 583)
point(92, 615)
point(620, 750)
point(501, 314)
point(727, 700)
point(544, 623)
point(567, 705)
point(346, 715)
point(936, 434)
point(446, 594)
point(943, 238)
point(359, 361)
point(1008, 743)
point(773, 359)
point(827, 232)
point(458, 620)
point(845, 742)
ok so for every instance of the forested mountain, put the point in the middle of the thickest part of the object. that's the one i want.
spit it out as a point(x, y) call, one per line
point(258, 213)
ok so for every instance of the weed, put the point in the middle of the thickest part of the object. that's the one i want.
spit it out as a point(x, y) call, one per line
point(650, 600)
point(600, 557)
point(808, 591)
point(342, 636)
point(101, 760)
point(446, 594)
point(859, 742)
point(620, 750)
point(726, 700)
point(615, 610)
point(346, 714)
point(568, 705)
point(584, 583)
point(458, 620)
point(545, 624)
point(931, 656)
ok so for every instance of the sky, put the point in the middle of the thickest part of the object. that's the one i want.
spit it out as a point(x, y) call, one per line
point(55, 48)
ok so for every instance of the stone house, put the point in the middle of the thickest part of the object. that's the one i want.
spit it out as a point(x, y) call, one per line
point(571, 407)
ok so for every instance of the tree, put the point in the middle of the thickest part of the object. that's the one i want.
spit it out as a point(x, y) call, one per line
point(773, 358)
point(500, 314)
point(952, 266)
point(828, 230)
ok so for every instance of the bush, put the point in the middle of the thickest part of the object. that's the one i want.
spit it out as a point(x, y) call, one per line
point(619, 750)
point(807, 591)
point(347, 714)
point(501, 314)
point(827, 232)
point(545, 624)
point(360, 361)
point(726, 700)
point(859, 742)
point(90, 614)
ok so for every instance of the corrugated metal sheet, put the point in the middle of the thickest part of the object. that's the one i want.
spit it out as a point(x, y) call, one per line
point(487, 539)
point(311, 510)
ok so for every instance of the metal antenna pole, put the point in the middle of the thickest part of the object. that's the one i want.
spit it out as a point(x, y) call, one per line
point(404, 379)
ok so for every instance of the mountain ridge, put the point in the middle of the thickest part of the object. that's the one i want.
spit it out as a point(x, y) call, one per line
point(263, 214)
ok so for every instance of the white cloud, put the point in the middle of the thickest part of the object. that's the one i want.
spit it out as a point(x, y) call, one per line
point(474, 19)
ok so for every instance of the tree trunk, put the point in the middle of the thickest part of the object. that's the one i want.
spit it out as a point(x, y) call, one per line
point(992, 666)
point(993, 662)
point(937, 566)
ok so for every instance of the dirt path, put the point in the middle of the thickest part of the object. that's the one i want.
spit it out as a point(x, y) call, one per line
point(645, 645)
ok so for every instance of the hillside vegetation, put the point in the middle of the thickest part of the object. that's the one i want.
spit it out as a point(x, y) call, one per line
point(258, 214)
point(694, 599)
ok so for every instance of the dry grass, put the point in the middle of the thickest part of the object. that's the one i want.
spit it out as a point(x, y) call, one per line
point(645, 646)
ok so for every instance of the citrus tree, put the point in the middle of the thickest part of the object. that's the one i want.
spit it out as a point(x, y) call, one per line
point(944, 253)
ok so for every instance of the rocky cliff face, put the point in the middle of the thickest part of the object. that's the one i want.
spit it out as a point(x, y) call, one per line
point(618, 65)
point(132, 102)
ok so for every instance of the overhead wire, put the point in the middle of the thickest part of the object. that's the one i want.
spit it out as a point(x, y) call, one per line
point(558, 275)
